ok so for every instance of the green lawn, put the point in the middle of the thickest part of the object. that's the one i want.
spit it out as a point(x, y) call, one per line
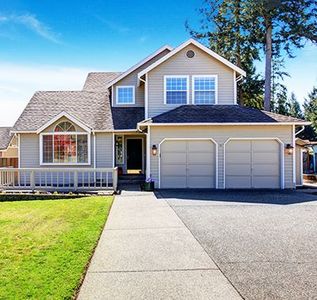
point(46, 244)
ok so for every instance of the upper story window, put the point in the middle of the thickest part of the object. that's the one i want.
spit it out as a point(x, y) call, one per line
point(125, 94)
point(205, 89)
point(176, 89)
point(65, 145)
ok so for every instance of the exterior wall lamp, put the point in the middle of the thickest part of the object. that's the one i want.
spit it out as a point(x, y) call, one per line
point(154, 150)
point(289, 149)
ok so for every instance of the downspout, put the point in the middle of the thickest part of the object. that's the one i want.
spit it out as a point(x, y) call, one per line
point(298, 132)
point(95, 149)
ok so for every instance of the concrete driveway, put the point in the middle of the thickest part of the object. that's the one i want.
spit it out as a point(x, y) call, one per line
point(264, 242)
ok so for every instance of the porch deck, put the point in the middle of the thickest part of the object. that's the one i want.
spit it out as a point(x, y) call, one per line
point(58, 179)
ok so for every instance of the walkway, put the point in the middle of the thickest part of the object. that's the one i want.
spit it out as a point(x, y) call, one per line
point(146, 252)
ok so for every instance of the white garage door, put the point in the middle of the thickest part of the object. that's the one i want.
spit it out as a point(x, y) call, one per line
point(252, 164)
point(188, 164)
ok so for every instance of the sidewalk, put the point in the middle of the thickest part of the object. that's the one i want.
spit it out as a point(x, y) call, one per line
point(146, 252)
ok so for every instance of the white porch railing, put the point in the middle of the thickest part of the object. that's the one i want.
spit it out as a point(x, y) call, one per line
point(58, 179)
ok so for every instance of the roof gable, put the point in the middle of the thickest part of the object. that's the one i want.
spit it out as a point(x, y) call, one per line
point(138, 65)
point(5, 137)
point(199, 45)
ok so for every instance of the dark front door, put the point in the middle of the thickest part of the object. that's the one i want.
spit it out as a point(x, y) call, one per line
point(134, 154)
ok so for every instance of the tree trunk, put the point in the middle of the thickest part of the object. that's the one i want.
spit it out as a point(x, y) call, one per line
point(268, 64)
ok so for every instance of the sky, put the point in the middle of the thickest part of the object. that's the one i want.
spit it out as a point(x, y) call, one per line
point(52, 45)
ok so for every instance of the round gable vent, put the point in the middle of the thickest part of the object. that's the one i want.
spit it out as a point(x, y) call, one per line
point(190, 54)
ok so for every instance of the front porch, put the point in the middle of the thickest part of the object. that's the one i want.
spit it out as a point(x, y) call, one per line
point(58, 179)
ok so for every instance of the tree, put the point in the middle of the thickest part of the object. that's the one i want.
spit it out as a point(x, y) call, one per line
point(310, 108)
point(281, 25)
point(222, 29)
point(294, 107)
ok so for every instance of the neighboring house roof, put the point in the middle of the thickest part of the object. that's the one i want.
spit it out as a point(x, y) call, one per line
point(89, 108)
point(5, 137)
point(199, 45)
point(222, 114)
point(98, 81)
point(139, 64)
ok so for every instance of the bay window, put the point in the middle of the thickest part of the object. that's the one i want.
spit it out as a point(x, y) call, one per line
point(65, 146)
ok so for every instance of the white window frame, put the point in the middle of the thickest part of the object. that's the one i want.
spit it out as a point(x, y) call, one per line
point(216, 88)
point(70, 163)
point(117, 94)
point(187, 89)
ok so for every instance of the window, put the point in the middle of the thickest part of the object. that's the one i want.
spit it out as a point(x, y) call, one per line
point(176, 89)
point(119, 150)
point(125, 95)
point(204, 89)
point(62, 147)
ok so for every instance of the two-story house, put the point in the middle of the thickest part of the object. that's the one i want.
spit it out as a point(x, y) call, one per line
point(173, 116)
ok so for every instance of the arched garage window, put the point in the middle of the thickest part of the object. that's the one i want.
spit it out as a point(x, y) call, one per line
point(65, 145)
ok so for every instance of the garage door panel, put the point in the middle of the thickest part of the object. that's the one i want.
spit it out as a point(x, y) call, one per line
point(174, 146)
point(173, 169)
point(200, 158)
point(200, 170)
point(238, 146)
point(243, 158)
point(238, 169)
point(174, 158)
point(188, 164)
point(257, 166)
point(265, 146)
point(201, 182)
point(266, 157)
point(238, 182)
point(271, 182)
point(200, 146)
point(173, 182)
point(265, 169)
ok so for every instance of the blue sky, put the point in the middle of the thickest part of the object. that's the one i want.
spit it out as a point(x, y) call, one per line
point(49, 45)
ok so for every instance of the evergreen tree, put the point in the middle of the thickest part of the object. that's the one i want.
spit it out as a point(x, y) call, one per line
point(310, 108)
point(223, 31)
point(294, 107)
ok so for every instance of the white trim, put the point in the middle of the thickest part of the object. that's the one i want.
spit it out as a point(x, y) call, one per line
point(148, 153)
point(146, 97)
point(69, 117)
point(95, 150)
point(301, 167)
point(216, 88)
point(294, 156)
point(234, 87)
point(282, 179)
point(65, 164)
point(113, 150)
point(189, 139)
point(125, 87)
point(19, 151)
point(220, 124)
point(200, 46)
point(112, 95)
point(187, 89)
point(139, 64)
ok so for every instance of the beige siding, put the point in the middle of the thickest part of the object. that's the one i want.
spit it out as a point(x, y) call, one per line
point(30, 152)
point(132, 79)
point(221, 134)
point(11, 152)
point(179, 64)
point(104, 150)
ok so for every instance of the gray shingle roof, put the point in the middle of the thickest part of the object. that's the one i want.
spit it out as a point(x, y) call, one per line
point(221, 114)
point(127, 117)
point(92, 109)
point(5, 137)
point(97, 81)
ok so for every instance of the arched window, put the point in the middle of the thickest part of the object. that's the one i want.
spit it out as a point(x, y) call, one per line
point(65, 126)
point(65, 145)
